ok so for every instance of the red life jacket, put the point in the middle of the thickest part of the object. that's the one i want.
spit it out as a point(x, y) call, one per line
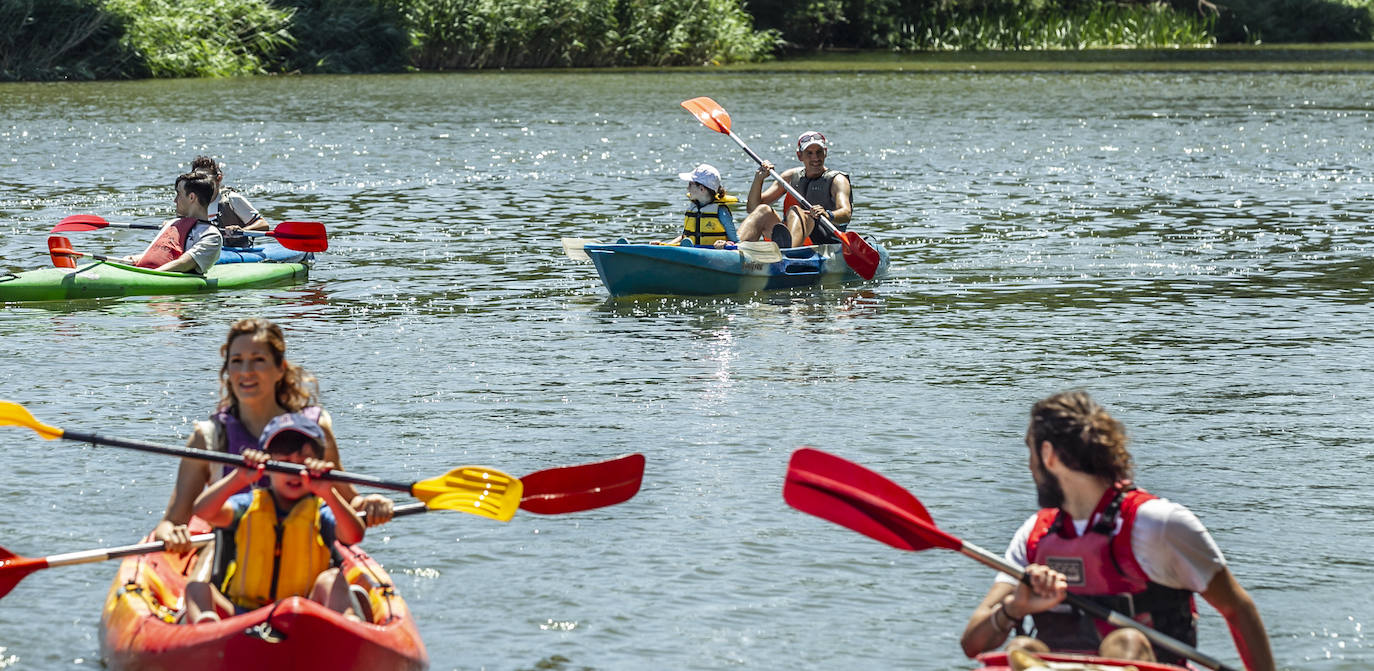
point(169, 244)
point(1101, 567)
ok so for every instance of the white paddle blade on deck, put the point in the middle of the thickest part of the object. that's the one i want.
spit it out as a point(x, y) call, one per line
point(573, 248)
point(760, 251)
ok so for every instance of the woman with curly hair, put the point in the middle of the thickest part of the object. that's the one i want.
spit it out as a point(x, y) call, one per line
point(257, 383)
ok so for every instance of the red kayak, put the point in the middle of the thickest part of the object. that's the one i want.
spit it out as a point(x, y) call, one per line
point(137, 629)
point(997, 661)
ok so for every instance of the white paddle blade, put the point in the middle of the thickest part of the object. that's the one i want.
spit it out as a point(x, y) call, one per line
point(760, 251)
point(573, 248)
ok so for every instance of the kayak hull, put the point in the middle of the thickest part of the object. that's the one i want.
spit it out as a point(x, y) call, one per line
point(291, 635)
point(104, 279)
point(634, 269)
point(997, 661)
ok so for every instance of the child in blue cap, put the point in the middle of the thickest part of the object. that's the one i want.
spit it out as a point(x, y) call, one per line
point(279, 539)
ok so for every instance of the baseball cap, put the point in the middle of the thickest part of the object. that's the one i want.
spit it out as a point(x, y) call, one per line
point(811, 137)
point(704, 175)
point(292, 422)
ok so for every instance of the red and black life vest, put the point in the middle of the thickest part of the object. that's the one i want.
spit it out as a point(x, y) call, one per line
point(1101, 567)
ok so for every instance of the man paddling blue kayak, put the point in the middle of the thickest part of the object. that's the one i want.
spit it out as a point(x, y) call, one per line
point(827, 190)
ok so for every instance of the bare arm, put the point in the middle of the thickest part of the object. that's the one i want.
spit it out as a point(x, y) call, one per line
point(192, 476)
point(1242, 616)
point(983, 632)
point(181, 264)
point(839, 192)
point(348, 527)
point(212, 504)
point(1005, 606)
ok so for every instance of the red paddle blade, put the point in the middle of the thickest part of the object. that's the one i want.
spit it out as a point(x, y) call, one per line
point(14, 568)
point(709, 113)
point(573, 488)
point(852, 496)
point(860, 255)
point(60, 249)
point(79, 223)
point(302, 236)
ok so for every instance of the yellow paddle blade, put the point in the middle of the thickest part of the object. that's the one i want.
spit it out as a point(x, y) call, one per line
point(13, 414)
point(709, 113)
point(472, 489)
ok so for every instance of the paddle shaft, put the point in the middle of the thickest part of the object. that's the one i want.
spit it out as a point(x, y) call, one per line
point(206, 455)
point(787, 187)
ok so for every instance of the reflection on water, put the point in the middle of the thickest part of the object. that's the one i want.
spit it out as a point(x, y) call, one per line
point(1193, 249)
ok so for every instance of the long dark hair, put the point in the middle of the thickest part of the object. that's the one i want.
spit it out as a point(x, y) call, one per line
point(1084, 436)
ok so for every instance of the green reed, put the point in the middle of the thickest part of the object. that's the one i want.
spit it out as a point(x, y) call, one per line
point(203, 38)
point(1009, 27)
point(455, 34)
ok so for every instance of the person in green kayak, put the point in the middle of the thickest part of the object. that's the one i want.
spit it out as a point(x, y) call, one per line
point(709, 221)
point(229, 209)
point(827, 190)
point(257, 384)
point(1099, 536)
point(279, 540)
point(190, 243)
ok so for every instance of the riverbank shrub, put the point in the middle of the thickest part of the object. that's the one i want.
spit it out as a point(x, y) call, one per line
point(982, 25)
point(57, 39)
point(460, 34)
point(1287, 21)
point(203, 38)
point(346, 36)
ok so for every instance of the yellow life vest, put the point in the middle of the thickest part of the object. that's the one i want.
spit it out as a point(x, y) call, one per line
point(273, 561)
point(702, 225)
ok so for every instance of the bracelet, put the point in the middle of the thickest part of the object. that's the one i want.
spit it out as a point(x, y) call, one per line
point(830, 214)
point(1002, 610)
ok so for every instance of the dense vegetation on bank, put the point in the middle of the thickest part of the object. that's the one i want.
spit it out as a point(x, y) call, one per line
point(100, 39)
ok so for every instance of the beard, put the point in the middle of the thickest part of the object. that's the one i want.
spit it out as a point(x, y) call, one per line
point(1048, 492)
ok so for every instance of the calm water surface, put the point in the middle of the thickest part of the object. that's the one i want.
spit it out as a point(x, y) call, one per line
point(1195, 250)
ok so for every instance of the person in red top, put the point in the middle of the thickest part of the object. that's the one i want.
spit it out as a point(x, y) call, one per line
point(190, 243)
point(1104, 539)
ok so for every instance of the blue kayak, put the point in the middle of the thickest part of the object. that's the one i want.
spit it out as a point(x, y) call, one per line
point(274, 253)
point(633, 269)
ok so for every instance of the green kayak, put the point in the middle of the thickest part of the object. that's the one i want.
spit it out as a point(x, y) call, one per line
point(103, 279)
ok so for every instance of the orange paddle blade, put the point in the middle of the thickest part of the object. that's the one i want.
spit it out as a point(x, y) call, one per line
point(60, 249)
point(860, 255)
point(709, 113)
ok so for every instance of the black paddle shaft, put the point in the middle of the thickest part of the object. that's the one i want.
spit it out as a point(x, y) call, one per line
point(206, 455)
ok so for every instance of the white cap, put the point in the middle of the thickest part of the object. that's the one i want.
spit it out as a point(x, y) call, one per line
point(704, 175)
point(809, 138)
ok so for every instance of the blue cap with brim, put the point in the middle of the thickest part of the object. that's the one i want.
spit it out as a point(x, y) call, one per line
point(292, 421)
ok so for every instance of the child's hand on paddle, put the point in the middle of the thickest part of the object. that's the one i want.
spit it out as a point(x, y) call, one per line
point(252, 467)
point(312, 480)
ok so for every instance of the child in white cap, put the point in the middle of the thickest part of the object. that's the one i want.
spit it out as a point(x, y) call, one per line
point(708, 217)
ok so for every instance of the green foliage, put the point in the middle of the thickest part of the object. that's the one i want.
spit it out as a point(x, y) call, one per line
point(340, 36)
point(453, 34)
point(203, 38)
point(1276, 21)
point(57, 39)
point(908, 25)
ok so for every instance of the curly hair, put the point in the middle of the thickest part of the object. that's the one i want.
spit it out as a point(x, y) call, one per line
point(297, 388)
point(1084, 436)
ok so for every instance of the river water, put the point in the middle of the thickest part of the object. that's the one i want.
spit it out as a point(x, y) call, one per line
point(1193, 249)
